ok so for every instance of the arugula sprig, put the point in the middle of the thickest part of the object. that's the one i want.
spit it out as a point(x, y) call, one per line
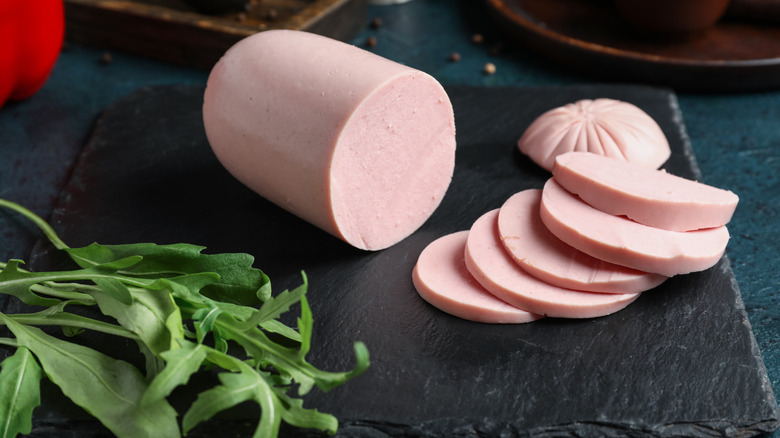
point(184, 309)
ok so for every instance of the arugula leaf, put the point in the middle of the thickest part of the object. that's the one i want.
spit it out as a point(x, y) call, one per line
point(239, 282)
point(273, 307)
point(19, 393)
point(147, 317)
point(56, 315)
point(296, 415)
point(237, 387)
point(155, 295)
point(115, 288)
point(18, 282)
point(205, 317)
point(292, 362)
point(107, 388)
point(181, 363)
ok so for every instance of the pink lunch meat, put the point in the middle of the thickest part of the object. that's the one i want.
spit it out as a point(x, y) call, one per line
point(622, 241)
point(546, 257)
point(494, 269)
point(602, 126)
point(648, 196)
point(441, 278)
point(358, 145)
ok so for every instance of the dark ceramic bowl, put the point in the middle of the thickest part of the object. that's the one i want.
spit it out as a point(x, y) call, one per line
point(672, 16)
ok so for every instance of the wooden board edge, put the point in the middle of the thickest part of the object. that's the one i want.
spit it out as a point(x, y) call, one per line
point(188, 38)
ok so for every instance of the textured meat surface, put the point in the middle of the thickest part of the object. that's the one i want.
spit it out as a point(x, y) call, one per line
point(358, 145)
point(651, 197)
point(546, 257)
point(622, 241)
point(602, 126)
point(491, 265)
point(442, 279)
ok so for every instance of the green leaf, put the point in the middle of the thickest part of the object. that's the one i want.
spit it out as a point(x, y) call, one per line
point(305, 328)
point(220, 342)
point(123, 263)
point(150, 290)
point(56, 315)
point(275, 306)
point(19, 393)
point(187, 286)
point(205, 319)
point(181, 363)
point(286, 360)
point(152, 315)
point(239, 282)
point(275, 326)
point(296, 415)
point(17, 282)
point(67, 291)
point(115, 288)
point(291, 362)
point(245, 385)
point(154, 364)
point(107, 388)
point(72, 331)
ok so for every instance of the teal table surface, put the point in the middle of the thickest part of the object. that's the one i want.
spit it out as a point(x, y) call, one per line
point(735, 136)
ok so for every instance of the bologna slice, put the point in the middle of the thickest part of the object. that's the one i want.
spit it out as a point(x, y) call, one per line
point(546, 257)
point(358, 145)
point(602, 126)
point(441, 278)
point(494, 269)
point(622, 241)
point(648, 196)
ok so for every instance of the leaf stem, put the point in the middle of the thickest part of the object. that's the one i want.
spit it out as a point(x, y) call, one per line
point(11, 342)
point(74, 321)
point(66, 291)
point(48, 289)
point(79, 275)
point(38, 221)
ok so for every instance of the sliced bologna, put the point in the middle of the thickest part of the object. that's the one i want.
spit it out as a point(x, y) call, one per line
point(648, 196)
point(441, 278)
point(356, 144)
point(494, 269)
point(602, 126)
point(546, 257)
point(622, 241)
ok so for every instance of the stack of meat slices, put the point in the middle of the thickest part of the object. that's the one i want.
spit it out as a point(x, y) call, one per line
point(599, 233)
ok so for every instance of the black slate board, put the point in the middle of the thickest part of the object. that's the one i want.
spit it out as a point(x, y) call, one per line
point(681, 360)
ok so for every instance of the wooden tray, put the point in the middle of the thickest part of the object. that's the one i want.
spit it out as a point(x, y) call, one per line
point(589, 35)
point(171, 30)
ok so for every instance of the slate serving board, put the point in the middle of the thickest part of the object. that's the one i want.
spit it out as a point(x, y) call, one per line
point(681, 360)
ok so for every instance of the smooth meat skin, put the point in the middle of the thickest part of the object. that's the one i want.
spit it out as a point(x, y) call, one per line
point(441, 278)
point(622, 241)
point(602, 126)
point(650, 197)
point(494, 269)
point(541, 254)
point(358, 145)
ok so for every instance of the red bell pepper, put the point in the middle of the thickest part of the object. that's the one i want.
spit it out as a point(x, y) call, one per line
point(31, 36)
